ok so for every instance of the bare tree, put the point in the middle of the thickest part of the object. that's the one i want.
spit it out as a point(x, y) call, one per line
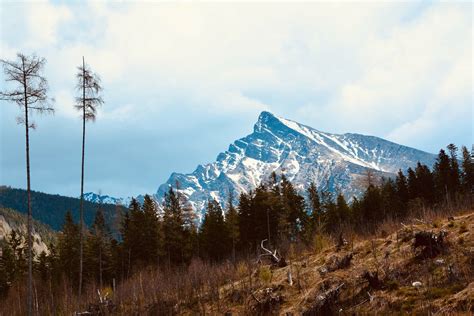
point(88, 84)
point(30, 95)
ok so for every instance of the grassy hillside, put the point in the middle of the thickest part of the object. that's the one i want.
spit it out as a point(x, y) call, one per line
point(385, 275)
point(50, 209)
point(403, 280)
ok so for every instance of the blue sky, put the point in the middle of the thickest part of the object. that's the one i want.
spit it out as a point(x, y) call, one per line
point(183, 80)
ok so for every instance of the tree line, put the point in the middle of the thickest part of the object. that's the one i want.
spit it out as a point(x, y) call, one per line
point(168, 236)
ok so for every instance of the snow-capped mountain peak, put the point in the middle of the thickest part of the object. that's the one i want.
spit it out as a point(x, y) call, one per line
point(302, 153)
point(106, 199)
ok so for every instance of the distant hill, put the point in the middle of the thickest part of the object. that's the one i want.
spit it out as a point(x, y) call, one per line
point(50, 209)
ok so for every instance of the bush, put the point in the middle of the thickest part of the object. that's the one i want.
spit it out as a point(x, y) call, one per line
point(265, 274)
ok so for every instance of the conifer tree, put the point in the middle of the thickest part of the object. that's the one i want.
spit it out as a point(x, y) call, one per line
point(442, 175)
point(173, 228)
point(412, 184)
point(124, 251)
point(88, 84)
point(232, 223)
point(190, 246)
point(132, 235)
point(390, 198)
point(98, 254)
point(31, 96)
point(426, 186)
point(150, 231)
point(467, 171)
point(329, 210)
point(294, 209)
point(246, 218)
point(314, 207)
point(454, 179)
point(343, 210)
point(213, 232)
point(403, 194)
point(68, 248)
point(8, 267)
point(372, 206)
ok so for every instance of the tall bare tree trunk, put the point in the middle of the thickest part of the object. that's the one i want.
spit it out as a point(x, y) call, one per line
point(28, 189)
point(81, 220)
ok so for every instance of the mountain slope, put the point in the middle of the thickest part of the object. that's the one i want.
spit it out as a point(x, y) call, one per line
point(10, 220)
point(303, 154)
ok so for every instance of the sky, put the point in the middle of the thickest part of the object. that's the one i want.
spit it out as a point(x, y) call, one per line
point(183, 80)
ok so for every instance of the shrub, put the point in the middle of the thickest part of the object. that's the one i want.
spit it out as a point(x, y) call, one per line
point(265, 274)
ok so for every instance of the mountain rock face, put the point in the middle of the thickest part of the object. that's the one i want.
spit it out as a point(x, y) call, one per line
point(303, 154)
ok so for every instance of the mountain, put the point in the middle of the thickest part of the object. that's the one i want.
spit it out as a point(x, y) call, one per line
point(337, 162)
point(106, 199)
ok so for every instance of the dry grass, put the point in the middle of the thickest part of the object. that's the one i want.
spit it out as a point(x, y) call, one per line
point(447, 280)
point(202, 288)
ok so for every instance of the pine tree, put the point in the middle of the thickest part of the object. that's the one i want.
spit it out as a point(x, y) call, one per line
point(455, 174)
point(372, 206)
point(68, 249)
point(87, 103)
point(294, 209)
point(426, 185)
point(412, 183)
point(390, 199)
point(213, 232)
point(8, 268)
point(329, 210)
point(150, 233)
point(31, 96)
point(98, 253)
point(442, 175)
point(123, 257)
point(343, 210)
point(190, 230)
point(467, 170)
point(403, 194)
point(246, 217)
point(173, 230)
point(232, 223)
point(314, 207)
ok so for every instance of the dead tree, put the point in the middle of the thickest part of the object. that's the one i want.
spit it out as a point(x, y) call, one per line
point(275, 259)
point(341, 242)
point(325, 303)
point(267, 301)
point(340, 263)
point(88, 83)
point(30, 94)
point(373, 279)
point(432, 244)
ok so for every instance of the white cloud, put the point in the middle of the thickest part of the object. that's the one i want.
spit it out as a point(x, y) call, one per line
point(389, 69)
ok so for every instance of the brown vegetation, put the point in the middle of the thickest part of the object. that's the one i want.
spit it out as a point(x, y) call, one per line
point(385, 273)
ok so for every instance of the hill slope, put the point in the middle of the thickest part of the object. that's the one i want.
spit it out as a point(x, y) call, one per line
point(50, 209)
point(403, 280)
point(10, 220)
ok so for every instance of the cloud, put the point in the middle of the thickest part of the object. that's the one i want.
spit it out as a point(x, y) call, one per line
point(172, 69)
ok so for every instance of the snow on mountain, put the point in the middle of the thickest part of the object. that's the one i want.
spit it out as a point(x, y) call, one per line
point(105, 199)
point(302, 153)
